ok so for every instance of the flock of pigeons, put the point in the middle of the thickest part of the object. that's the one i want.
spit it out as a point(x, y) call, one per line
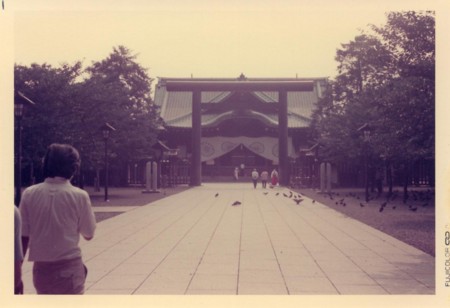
point(296, 197)
point(423, 196)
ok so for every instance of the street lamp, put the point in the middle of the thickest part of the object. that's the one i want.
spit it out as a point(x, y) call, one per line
point(19, 101)
point(366, 129)
point(106, 129)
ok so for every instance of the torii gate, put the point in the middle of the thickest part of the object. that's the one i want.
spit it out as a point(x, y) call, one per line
point(196, 87)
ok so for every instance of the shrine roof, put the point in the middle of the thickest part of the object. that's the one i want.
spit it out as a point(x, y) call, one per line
point(176, 106)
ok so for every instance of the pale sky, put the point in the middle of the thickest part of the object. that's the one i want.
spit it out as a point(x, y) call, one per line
point(202, 38)
point(207, 38)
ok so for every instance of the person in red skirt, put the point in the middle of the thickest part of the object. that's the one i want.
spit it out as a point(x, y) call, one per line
point(274, 177)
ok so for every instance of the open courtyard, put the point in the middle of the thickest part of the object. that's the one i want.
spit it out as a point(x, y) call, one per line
point(197, 242)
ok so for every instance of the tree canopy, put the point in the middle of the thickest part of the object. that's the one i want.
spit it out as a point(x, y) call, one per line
point(73, 103)
point(386, 80)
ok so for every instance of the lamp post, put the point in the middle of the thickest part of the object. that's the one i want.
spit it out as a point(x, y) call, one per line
point(366, 129)
point(19, 102)
point(106, 129)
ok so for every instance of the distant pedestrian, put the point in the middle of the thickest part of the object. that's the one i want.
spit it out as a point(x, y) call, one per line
point(236, 173)
point(54, 214)
point(264, 178)
point(274, 177)
point(242, 169)
point(255, 176)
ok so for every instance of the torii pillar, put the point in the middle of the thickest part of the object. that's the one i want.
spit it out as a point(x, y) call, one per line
point(197, 86)
point(283, 158)
point(196, 163)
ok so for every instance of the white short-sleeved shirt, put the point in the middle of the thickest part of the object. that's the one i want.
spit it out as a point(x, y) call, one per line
point(264, 175)
point(54, 214)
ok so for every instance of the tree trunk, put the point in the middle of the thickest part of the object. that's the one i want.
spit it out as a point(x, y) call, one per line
point(389, 178)
point(97, 180)
point(405, 182)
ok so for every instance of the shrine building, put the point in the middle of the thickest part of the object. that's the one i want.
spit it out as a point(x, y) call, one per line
point(218, 124)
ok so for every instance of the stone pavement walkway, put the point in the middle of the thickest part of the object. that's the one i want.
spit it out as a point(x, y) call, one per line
point(196, 243)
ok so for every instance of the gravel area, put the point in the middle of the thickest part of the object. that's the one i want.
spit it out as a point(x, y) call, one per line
point(412, 222)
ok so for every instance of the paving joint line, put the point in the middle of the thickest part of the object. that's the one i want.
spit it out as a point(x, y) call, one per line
point(152, 239)
point(209, 242)
point(177, 243)
point(301, 242)
point(271, 244)
point(362, 243)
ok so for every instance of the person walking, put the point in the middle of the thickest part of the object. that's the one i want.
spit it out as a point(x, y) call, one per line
point(236, 173)
point(54, 215)
point(274, 177)
point(264, 178)
point(255, 176)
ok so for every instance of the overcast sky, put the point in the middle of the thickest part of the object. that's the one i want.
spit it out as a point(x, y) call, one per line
point(209, 38)
point(202, 38)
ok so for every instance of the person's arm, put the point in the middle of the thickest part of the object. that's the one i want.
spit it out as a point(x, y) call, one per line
point(87, 223)
point(18, 252)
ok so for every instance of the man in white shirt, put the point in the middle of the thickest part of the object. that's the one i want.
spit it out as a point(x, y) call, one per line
point(54, 214)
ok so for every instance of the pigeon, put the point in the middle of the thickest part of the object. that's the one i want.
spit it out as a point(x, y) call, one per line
point(298, 201)
point(265, 193)
point(285, 195)
point(290, 194)
point(217, 195)
point(361, 205)
point(413, 209)
point(381, 209)
point(314, 201)
point(277, 194)
point(236, 203)
point(394, 207)
point(384, 204)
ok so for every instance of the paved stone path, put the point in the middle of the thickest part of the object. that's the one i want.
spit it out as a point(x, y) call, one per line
point(196, 243)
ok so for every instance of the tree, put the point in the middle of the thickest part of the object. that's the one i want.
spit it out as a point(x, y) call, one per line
point(72, 105)
point(47, 122)
point(118, 91)
point(385, 79)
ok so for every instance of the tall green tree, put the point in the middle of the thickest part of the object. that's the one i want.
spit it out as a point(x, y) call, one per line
point(47, 122)
point(117, 90)
point(385, 79)
point(72, 104)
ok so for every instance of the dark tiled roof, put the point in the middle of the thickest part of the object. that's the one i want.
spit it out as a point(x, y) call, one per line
point(176, 107)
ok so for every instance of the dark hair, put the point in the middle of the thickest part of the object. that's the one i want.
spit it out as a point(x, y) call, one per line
point(61, 160)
